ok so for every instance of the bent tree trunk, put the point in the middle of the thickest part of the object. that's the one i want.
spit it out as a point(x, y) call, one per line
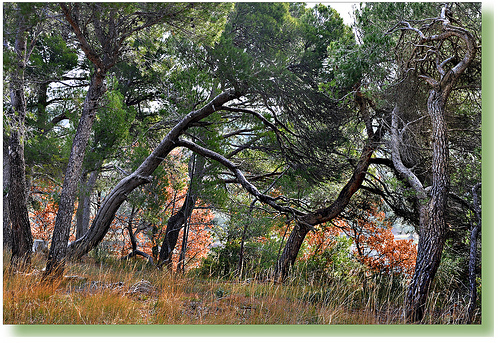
point(140, 176)
point(307, 222)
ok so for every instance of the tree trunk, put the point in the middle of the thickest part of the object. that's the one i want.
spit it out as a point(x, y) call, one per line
point(22, 239)
point(473, 256)
point(430, 248)
point(432, 222)
point(176, 221)
point(472, 272)
point(182, 255)
point(140, 176)
point(432, 214)
point(290, 252)
point(60, 236)
point(84, 203)
point(7, 231)
point(307, 222)
point(174, 225)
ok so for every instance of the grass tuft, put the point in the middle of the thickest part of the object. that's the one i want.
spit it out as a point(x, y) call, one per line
point(117, 292)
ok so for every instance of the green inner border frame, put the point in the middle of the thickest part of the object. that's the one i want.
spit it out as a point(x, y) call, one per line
point(482, 330)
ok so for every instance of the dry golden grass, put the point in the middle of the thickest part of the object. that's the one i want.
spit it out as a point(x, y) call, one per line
point(102, 293)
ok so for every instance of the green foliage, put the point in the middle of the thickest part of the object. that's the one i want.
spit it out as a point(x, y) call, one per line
point(259, 255)
point(335, 263)
point(221, 261)
point(111, 127)
point(292, 63)
point(51, 58)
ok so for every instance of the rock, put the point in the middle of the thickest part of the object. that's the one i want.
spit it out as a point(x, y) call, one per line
point(143, 287)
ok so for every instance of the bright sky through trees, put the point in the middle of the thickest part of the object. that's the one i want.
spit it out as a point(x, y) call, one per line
point(345, 9)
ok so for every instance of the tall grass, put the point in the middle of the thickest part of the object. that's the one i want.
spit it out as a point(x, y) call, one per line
point(98, 292)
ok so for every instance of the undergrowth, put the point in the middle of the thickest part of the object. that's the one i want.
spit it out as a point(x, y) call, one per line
point(102, 292)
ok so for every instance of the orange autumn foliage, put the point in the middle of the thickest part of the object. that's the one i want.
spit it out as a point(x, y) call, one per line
point(317, 241)
point(377, 248)
point(172, 189)
point(374, 243)
point(43, 215)
point(199, 238)
point(162, 200)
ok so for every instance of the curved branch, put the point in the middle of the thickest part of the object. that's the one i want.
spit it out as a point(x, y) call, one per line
point(398, 163)
point(140, 253)
point(84, 45)
point(239, 176)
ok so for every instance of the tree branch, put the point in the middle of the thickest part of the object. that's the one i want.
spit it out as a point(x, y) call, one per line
point(239, 176)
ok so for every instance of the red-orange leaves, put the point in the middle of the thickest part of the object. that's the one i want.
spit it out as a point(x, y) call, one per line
point(377, 248)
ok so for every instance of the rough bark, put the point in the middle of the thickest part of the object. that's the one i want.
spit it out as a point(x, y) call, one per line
point(7, 232)
point(476, 228)
point(102, 63)
point(84, 203)
point(62, 226)
point(432, 205)
point(22, 239)
point(140, 176)
point(102, 37)
point(432, 218)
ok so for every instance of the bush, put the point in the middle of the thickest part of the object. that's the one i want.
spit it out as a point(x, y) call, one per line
point(220, 262)
point(259, 258)
point(335, 263)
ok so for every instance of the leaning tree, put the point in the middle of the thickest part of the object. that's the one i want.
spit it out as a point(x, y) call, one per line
point(103, 32)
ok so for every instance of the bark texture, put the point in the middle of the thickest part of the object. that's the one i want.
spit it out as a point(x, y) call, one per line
point(60, 237)
point(140, 176)
point(432, 204)
point(307, 222)
point(21, 236)
point(432, 215)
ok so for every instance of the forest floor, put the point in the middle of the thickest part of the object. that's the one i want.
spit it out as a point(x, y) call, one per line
point(118, 292)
